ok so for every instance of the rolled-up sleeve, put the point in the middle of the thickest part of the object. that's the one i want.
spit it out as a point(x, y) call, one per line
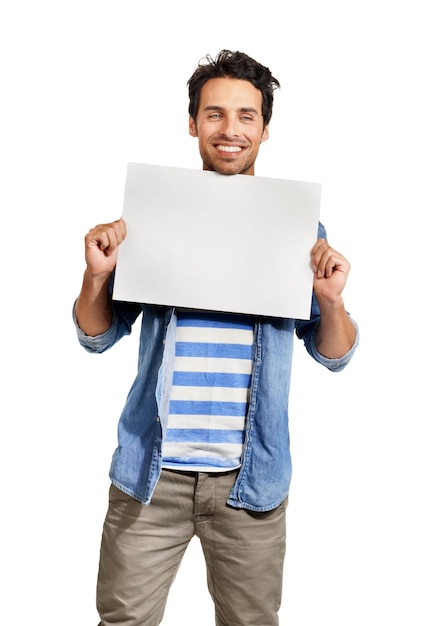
point(335, 365)
point(121, 325)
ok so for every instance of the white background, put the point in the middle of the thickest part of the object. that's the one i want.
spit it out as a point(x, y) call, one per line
point(88, 86)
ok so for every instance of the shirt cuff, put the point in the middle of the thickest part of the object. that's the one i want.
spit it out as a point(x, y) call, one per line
point(335, 365)
point(97, 343)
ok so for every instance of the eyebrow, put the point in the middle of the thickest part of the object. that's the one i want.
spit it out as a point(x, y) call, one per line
point(213, 107)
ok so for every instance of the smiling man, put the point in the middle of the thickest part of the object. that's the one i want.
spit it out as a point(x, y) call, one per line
point(229, 125)
point(203, 436)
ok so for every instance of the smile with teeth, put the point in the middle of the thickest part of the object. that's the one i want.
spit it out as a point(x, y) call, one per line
point(229, 148)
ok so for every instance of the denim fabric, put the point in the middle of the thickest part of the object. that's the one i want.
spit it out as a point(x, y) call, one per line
point(264, 478)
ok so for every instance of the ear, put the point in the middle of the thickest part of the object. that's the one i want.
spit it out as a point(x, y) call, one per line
point(193, 130)
point(265, 134)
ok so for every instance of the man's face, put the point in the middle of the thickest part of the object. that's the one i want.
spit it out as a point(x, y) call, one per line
point(229, 125)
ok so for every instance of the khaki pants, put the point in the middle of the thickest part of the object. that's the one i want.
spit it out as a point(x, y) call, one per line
point(142, 547)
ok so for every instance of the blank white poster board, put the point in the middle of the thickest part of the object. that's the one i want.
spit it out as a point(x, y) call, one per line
point(202, 240)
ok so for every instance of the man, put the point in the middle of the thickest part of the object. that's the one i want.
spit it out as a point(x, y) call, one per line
point(203, 437)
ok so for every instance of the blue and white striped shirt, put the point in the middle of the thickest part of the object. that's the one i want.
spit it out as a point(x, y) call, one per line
point(210, 390)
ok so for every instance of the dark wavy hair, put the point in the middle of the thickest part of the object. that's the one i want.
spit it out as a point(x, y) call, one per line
point(233, 65)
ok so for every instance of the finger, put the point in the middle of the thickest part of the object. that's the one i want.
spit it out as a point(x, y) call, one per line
point(325, 259)
point(104, 237)
point(327, 263)
point(120, 229)
point(319, 245)
point(318, 256)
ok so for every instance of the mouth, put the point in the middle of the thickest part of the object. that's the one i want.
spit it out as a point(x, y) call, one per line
point(229, 149)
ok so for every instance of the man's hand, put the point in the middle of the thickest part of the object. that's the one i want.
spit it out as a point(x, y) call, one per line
point(336, 333)
point(331, 270)
point(101, 247)
point(93, 307)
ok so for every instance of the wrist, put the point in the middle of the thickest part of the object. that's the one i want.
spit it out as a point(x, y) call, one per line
point(330, 304)
point(96, 280)
point(95, 286)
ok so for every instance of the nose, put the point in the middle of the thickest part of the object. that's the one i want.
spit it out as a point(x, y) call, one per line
point(230, 126)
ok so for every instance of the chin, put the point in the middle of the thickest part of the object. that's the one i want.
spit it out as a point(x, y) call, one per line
point(226, 169)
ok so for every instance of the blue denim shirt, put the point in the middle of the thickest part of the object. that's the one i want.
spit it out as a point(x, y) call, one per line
point(264, 477)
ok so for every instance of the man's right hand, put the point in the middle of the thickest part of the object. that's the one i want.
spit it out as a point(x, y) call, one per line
point(93, 306)
point(101, 247)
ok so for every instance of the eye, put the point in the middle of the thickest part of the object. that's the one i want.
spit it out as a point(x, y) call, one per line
point(214, 116)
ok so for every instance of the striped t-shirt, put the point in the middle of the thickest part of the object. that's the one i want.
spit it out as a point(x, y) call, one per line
point(210, 391)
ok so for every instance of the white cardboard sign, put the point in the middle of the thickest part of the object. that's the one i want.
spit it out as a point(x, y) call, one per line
point(202, 240)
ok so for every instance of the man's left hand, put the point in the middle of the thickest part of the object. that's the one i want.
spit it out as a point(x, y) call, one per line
point(331, 270)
